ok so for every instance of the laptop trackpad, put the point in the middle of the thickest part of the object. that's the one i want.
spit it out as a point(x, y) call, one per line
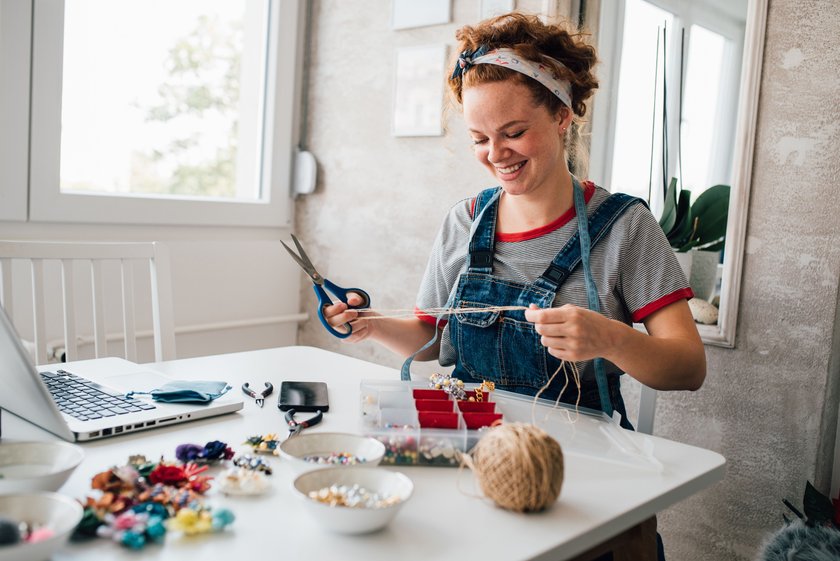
point(136, 381)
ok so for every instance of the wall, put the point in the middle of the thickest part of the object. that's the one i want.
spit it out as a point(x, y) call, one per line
point(219, 275)
point(380, 200)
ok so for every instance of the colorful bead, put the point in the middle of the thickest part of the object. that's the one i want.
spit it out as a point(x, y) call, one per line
point(335, 458)
point(353, 496)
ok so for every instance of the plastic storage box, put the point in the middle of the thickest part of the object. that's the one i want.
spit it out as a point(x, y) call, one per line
point(423, 426)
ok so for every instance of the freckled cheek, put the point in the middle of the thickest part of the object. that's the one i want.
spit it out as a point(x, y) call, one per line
point(481, 154)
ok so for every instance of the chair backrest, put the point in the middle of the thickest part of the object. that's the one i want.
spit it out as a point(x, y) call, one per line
point(86, 261)
point(647, 410)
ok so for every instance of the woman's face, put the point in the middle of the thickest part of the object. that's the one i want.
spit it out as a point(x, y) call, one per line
point(521, 145)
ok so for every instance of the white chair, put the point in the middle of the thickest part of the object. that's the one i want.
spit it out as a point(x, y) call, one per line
point(647, 410)
point(92, 264)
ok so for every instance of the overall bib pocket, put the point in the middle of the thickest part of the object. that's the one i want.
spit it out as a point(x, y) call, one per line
point(523, 359)
point(478, 341)
point(500, 347)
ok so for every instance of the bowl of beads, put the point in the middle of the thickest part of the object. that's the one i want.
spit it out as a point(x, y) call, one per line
point(37, 466)
point(317, 450)
point(353, 501)
point(35, 525)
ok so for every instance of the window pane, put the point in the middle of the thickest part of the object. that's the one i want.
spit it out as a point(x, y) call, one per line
point(631, 167)
point(701, 107)
point(164, 98)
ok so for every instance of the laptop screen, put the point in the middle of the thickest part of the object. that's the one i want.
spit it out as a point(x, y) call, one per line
point(21, 389)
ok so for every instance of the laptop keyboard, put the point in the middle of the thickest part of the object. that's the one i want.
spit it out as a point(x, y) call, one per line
point(86, 400)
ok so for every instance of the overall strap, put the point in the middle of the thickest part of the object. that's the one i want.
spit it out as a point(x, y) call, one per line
point(599, 225)
point(482, 242)
point(565, 261)
point(483, 231)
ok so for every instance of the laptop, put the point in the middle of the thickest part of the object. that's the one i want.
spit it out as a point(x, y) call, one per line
point(93, 406)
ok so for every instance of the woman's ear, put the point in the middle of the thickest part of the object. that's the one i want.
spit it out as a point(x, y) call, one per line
point(566, 117)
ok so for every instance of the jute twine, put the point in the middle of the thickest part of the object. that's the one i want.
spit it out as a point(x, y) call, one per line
point(518, 466)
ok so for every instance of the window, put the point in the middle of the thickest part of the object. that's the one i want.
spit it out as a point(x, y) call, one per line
point(159, 112)
point(700, 126)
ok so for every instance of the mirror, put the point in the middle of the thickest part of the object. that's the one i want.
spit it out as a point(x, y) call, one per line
point(678, 98)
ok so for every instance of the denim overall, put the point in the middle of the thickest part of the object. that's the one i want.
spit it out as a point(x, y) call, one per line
point(503, 347)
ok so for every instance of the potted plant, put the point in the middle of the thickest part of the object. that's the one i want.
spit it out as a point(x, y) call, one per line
point(697, 232)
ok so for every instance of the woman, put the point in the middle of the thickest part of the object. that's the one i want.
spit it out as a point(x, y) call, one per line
point(523, 87)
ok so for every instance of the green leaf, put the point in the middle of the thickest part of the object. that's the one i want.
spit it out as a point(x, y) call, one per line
point(669, 211)
point(711, 208)
point(817, 507)
point(681, 231)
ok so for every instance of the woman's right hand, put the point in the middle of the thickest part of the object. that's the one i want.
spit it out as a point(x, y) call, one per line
point(340, 313)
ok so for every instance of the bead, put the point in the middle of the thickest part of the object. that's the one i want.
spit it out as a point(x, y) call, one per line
point(352, 496)
point(335, 458)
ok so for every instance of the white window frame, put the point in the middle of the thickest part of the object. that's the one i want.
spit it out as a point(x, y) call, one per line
point(40, 23)
point(15, 22)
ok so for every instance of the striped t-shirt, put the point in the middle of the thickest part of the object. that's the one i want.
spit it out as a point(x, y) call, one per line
point(633, 266)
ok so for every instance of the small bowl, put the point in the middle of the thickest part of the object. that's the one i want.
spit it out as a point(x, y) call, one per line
point(57, 512)
point(354, 520)
point(37, 466)
point(296, 448)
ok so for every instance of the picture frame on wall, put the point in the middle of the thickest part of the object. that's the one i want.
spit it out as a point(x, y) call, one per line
point(406, 14)
point(418, 90)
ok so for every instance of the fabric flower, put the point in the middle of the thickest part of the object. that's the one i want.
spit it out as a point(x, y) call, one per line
point(188, 452)
point(168, 474)
point(133, 540)
point(222, 518)
point(216, 450)
point(191, 522)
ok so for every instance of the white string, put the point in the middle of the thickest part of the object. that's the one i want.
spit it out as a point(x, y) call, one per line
point(398, 313)
point(576, 377)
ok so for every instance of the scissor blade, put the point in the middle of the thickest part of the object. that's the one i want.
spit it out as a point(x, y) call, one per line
point(305, 265)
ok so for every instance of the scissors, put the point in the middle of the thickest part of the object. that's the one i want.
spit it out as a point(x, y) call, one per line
point(319, 283)
point(296, 426)
point(246, 389)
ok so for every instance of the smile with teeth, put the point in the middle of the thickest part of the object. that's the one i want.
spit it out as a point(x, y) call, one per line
point(511, 169)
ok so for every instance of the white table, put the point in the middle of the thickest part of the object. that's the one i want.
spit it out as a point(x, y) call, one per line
point(442, 521)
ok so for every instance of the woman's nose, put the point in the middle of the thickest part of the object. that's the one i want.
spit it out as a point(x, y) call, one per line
point(497, 152)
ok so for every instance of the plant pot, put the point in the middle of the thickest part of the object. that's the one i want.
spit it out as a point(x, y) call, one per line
point(684, 259)
point(704, 268)
point(701, 270)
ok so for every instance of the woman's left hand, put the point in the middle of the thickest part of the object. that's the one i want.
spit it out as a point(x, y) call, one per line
point(572, 333)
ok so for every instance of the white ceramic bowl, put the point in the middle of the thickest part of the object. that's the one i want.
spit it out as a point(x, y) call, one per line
point(354, 520)
point(36, 466)
point(296, 448)
point(61, 514)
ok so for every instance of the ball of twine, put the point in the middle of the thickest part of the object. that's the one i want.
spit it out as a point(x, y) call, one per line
point(518, 466)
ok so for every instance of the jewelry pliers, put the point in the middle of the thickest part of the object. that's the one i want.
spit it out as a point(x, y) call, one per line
point(246, 389)
point(296, 426)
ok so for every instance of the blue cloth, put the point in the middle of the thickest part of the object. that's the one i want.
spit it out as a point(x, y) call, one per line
point(187, 391)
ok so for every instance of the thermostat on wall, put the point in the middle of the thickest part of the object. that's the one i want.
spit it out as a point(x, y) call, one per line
point(306, 173)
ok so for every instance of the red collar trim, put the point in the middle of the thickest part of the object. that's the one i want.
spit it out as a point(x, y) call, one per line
point(562, 220)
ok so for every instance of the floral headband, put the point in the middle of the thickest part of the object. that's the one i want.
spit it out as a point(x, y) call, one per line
point(509, 59)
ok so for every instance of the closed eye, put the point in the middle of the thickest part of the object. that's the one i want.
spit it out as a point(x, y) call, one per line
point(516, 134)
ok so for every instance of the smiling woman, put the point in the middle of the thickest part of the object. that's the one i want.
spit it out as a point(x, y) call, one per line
point(522, 290)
